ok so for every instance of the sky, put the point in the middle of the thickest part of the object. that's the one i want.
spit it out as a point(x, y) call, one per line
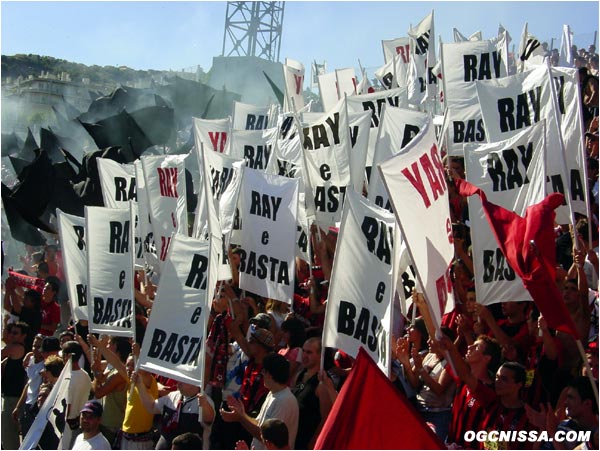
point(176, 35)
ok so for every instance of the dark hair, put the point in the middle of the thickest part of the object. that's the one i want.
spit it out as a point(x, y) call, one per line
point(43, 266)
point(276, 432)
point(73, 348)
point(67, 332)
point(23, 326)
point(296, 329)
point(420, 326)
point(450, 333)
point(34, 296)
point(54, 282)
point(518, 370)
point(187, 440)
point(584, 388)
point(123, 347)
point(278, 367)
point(493, 349)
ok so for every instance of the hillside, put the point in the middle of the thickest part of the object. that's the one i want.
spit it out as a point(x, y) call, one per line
point(25, 65)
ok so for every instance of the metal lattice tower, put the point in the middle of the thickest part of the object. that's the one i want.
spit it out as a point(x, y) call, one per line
point(253, 29)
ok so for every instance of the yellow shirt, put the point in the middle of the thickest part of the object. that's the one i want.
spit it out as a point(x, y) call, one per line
point(137, 419)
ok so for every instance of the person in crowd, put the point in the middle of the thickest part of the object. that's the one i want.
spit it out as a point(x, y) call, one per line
point(14, 379)
point(293, 337)
point(25, 306)
point(187, 440)
point(109, 385)
point(33, 363)
point(78, 392)
point(90, 419)
point(280, 403)
point(579, 407)
point(180, 411)
point(50, 308)
point(314, 402)
point(274, 434)
point(136, 430)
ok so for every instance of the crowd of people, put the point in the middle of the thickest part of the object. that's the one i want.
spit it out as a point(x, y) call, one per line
point(496, 367)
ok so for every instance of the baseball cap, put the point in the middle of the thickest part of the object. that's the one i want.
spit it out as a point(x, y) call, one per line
point(50, 344)
point(261, 320)
point(93, 407)
point(263, 336)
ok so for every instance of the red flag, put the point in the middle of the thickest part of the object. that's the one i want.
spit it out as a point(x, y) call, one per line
point(31, 283)
point(528, 246)
point(370, 413)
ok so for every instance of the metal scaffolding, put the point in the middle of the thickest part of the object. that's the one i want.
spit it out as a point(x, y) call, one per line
point(253, 29)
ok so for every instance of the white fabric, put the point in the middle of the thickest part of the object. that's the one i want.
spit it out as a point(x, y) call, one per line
point(415, 181)
point(179, 313)
point(213, 133)
point(249, 117)
point(328, 90)
point(98, 441)
point(253, 146)
point(346, 81)
point(293, 75)
point(110, 295)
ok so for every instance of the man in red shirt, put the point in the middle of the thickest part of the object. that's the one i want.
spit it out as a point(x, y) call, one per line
point(50, 308)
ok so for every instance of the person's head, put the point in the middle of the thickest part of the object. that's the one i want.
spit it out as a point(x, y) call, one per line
point(261, 341)
point(262, 320)
point(72, 350)
point(187, 389)
point(418, 335)
point(510, 379)
point(275, 434)
point(32, 299)
point(457, 165)
point(42, 270)
point(471, 300)
point(277, 306)
point(50, 289)
point(51, 252)
point(485, 351)
point(90, 417)
point(187, 440)
point(50, 346)
point(276, 371)
point(580, 400)
point(36, 347)
point(570, 291)
point(53, 366)
point(18, 333)
point(65, 336)
point(515, 311)
point(311, 353)
point(293, 332)
point(120, 346)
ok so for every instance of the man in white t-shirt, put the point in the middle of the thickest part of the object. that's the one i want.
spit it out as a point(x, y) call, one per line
point(89, 420)
point(280, 403)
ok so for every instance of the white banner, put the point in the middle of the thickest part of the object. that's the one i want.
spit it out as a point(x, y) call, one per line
point(173, 344)
point(462, 125)
point(359, 304)
point(510, 104)
point(398, 127)
point(213, 133)
point(346, 82)
point(54, 407)
point(164, 176)
point(293, 75)
point(465, 62)
point(144, 226)
point(269, 205)
point(253, 146)
point(71, 230)
point(119, 186)
point(416, 185)
point(398, 46)
point(110, 296)
point(531, 52)
point(326, 144)
point(512, 175)
point(328, 90)
point(373, 103)
point(249, 117)
point(422, 60)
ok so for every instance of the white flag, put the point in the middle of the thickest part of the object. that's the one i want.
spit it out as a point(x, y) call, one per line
point(253, 146)
point(565, 56)
point(512, 174)
point(346, 82)
point(512, 103)
point(250, 117)
point(110, 296)
point(398, 127)
point(293, 74)
point(398, 46)
point(359, 303)
point(531, 51)
point(416, 185)
point(173, 344)
point(268, 205)
point(213, 133)
point(71, 230)
point(328, 90)
point(462, 125)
